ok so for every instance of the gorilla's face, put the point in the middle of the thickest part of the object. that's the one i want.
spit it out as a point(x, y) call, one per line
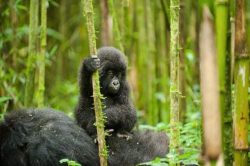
point(112, 71)
point(111, 81)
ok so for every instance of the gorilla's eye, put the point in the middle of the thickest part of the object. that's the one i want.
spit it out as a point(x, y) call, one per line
point(110, 72)
point(119, 76)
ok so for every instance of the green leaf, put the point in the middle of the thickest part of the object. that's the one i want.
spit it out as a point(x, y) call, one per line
point(64, 161)
point(4, 98)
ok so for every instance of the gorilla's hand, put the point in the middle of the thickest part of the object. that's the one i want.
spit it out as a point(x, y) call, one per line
point(92, 64)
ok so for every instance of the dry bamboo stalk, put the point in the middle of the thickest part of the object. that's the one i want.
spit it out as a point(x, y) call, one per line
point(209, 89)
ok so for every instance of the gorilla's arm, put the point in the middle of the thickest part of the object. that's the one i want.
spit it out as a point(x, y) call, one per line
point(89, 66)
point(120, 117)
point(121, 114)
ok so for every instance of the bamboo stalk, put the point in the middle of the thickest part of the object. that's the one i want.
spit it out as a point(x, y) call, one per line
point(232, 39)
point(241, 118)
point(174, 75)
point(60, 57)
point(14, 24)
point(127, 36)
point(41, 56)
point(224, 77)
point(209, 90)
point(153, 112)
point(161, 63)
point(165, 5)
point(88, 8)
point(105, 23)
point(141, 54)
point(31, 66)
point(118, 38)
point(182, 78)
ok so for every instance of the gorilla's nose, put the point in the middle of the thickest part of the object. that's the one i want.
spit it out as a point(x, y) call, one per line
point(115, 82)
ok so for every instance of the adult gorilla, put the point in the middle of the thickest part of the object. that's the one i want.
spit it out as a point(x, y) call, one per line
point(43, 138)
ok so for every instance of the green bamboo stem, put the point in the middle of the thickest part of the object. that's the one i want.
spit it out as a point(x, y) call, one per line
point(118, 38)
point(161, 63)
point(105, 23)
point(182, 78)
point(141, 55)
point(241, 118)
point(153, 111)
point(88, 8)
point(222, 21)
point(127, 29)
point(165, 114)
point(63, 45)
point(14, 22)
point(31, 64)
point(144, 54)
point(174, 75)
point(127, 26)
point(41, 57)
point(232, 38)
point(241, 111)
point(221, 38)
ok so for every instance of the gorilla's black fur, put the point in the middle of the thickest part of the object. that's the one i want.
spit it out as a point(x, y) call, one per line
point(143, 146)
point(119, 111)
point(43, 138)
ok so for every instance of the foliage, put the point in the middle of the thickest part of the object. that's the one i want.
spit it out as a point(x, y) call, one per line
point(69, 162)
point(67, 90)
point(190, 143)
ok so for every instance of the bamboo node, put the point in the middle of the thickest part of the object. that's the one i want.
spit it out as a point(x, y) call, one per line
point(222, 2)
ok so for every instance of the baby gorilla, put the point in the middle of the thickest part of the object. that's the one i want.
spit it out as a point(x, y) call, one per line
point(43, 138)
point(120, 113)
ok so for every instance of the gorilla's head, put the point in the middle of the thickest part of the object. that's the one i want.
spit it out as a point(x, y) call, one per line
point(112, 71)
